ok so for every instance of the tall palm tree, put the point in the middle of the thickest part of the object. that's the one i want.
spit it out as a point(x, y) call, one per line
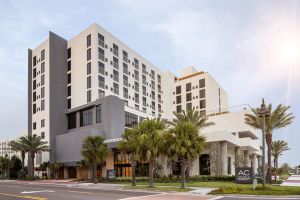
point(279, 118)
point(278, 147)
point(184, 144)
point(19, 147)
point(33, 144)
point(151, 137)
point(193, 116)
point(131, 144)
point(94, 152)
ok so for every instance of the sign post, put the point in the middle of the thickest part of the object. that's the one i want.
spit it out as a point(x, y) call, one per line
point(243, 175)
point(110, 174)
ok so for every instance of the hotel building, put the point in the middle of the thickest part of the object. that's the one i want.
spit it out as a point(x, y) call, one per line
point(94, 84)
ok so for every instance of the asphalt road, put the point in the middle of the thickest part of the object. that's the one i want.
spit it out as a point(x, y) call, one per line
point(21, 191)
point(254, 198)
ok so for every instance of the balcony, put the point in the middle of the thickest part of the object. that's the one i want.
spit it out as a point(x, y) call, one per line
point(116, 65)
point(101, 43)
point(144, 71)
point(125, 95)
point(153, 86)
point(101, 71)
point(144, 82)
point(101, 57)
point(144, 92)
point(101, 84)
point(125, 71)
point(125, 58)
point(137, 88)
point(116, 78)
point(116, 52)
point(137, 100)
point(116, 90)
point(125, 83)
point(136, 77)
point(160, 91)
point(101, 95)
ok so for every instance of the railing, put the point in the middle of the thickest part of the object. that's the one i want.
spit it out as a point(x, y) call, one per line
point(116, 52)
point(101, 71)
point(116, 78)
point(137, 89)
point(125, 83)
point(116, 90)
point(116, 65)
point(144, 71)
point(125, 58)
point(101, 42)
point(101, 56)
point(125, 71)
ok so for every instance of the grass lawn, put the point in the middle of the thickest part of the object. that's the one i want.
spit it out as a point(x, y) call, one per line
point(224, 188)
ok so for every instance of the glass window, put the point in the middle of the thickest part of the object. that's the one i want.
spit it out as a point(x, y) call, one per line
point(43, 135)
point(98, 114)
point(189, 106)
point(43, 104)
point(101, 94)
point(34, 125)
point(33, 96)
point(88, 54)
point(178, 108)
point(71, 120)
point(43, 55)
point(202, 104)
point(42, 67)
point(42, 79)
point(43, 123)
point(202, 94)
point(88, 68)
point(189, 96)
point(69, 103)
point(202, 83)
point(34, 85)
point(89, 96)
point(101, 68)
point(131, 120)
point(178, 99)
point(69, 65)
point(69, 52)
point(86, 117)
point(188, 87)
point(178, 89)
point(34, 72)
point(69, 78)
point(69, 91)
point(34, 108)
point(88, 40)
point(42, 92)
point(101, 81)
point(89, 82)
point(34, 60)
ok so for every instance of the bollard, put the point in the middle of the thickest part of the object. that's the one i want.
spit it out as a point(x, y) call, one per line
point(254, 184)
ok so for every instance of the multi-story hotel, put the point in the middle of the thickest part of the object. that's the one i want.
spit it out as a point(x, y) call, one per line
point(94, 84)
point(5, 150)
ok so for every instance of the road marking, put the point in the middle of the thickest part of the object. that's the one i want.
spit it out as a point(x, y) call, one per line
point(32, 192)
point(261, 197)
point(24, 197)
point(150, 195)
point(215, 198)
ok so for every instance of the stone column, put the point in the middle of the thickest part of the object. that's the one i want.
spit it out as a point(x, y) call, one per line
point(223, 158)
point(258, 164)
point(254, 159)
point(246, 158)
point(236, 155)
point(195, 170)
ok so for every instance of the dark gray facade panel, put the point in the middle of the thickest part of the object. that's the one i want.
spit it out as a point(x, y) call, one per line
point(57, 88)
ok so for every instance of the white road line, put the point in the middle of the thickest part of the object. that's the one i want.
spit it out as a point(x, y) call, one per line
point(261, 197)
point(215, 198)
point(150, 195)
point(32, 192)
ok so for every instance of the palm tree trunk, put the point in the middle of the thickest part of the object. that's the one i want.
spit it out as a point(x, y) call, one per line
point(151, 170)
point(23, 165)
point(32, 163)
point(269, 144)
point(133, 173)
point(183, 177)
point(94, 172)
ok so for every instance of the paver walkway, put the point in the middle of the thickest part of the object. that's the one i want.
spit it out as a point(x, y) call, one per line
point(293, 180)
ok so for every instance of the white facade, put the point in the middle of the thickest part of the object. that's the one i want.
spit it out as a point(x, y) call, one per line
point(5, 150)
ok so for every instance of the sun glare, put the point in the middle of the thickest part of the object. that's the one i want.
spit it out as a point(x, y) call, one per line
point(291, 53)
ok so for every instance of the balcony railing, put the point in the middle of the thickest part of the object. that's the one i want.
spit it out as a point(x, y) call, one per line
point(116, 78)
point(137, 88)
point(125, 83)
point(115, 52)
point(116, 65)
point(101, 56)
point(101, 84)
point(136, 77)
point(144, 71)
point(144, 82)
point(116, 90)
point(101, 71)
point(101, 42)
point(125, 58)
point(125, 71)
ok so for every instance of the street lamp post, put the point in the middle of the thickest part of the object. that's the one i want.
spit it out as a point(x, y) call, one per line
point(263, 113)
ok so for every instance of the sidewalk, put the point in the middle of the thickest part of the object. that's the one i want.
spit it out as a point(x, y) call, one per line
point(293, 180)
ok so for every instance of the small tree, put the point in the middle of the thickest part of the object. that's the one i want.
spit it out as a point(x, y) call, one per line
point(15, 166)
point(4, 166)
point(94, 152)
point(278, 147)
point(18, 146)
point(55, 166)
point(43, 167)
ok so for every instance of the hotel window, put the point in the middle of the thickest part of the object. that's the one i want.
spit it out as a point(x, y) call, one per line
point(100, 40)
point(101, 68)
point(188, 87)
point(136, 63)
point(136, 75)
point(189, 106)
point(88, 68)
point(136, 86)
point(178, 99)
point(144, 101)
point(101, 54)
point(202, 104)
point(42, 92)
point(34, 85)
point(153, 85)
point(42, 79)
point(43, 104)
point(189, 96)
point(144, 91)
point(98, 114)
point(152, 74)
point(34, 72)
point(88, 96)
point(86, 117)
point(88, 82)
point(158, 78)
point(42, 123)
point(116, 75)
point(69, 65)
point(43, 135)
point(101, 94)
point(116, 88)
point(88, 54)
point(69, 90)
point(125, 56)
point(153, 95)
point(72, 120)
point(137, 98)
point(34, 125)
point(202, 94)
point(153, 105)
point(178, 89)
point(69, 103)
point(115, 50)
point(201, 83)
point(43, 55)
point(42, 67)
point(33, 96)
point(178, 108)
point(144, 70)
point(125, 93)
point(125, 69)
point(88, 40)
point(34, 61)
point(69, 78)
point(101, 82)
point(69, 52)
point(34, 108)
point(131, 120)
point(115, 62)
point(125, 80)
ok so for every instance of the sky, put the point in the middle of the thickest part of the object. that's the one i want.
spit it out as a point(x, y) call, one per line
point(249, 47)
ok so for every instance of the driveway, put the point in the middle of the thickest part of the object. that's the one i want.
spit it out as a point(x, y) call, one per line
point(293, 180)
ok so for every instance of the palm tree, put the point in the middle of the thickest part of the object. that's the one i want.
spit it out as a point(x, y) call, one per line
point(131, 144)
point(33, 144)
point(94, 152)
point(278, 147)
point(18, 146)
point(151, 136)
point(184, 144)
point(279, 118)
